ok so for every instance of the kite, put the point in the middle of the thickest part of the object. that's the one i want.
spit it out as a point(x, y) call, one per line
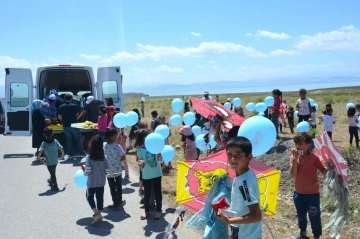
point(210, 108)
point(196, 177)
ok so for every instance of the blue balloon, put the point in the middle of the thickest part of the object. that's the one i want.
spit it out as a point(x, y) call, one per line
point(200, 143)
point(261, 114)
point(228, 105)
point(250, 107)
point(177, 105)
point(163, 130)
point(350, 105)
point(143, 99)
point(296, 114)
point(212, 142)
point(154, 143)
point(316, 106)
point(131, 118)
point(261, 132)
point(80, 179)
point(196, 130)
point(167, 154)
point(189, 118)
point(237, 102)
point(260, 107)
point(312, 102)
point(269, 101)
point(303, 127)
point(175, 120)
point(120, 120)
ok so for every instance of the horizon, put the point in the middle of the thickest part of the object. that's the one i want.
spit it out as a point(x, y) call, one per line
point(156, 44)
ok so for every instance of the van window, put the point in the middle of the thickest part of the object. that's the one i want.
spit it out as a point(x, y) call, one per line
point(19, 94)
point(110, 89)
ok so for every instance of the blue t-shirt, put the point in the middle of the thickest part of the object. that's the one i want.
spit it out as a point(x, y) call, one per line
point(50, 148)
point(152, 167)
point(245, 192)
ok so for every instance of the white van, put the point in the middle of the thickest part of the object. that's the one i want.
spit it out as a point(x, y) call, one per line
point(79, 81)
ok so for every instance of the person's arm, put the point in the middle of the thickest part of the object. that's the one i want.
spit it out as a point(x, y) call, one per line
point(82, 114)
point(253, 216)
point(310, 108)
point(121, 153)
point(60, 147)
point(217, 134)
point(41, 149)
point(294, 162)
point(297, 106)
point(87, 166)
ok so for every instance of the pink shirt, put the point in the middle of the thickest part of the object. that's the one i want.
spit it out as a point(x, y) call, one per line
point(352, 121)
point(122, 140)
point(102, 123)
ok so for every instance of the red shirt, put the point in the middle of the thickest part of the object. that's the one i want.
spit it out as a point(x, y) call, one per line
point(276, 106)
point(306, 179)
point(110, 109)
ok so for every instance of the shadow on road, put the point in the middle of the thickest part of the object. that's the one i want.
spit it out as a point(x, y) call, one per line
point(134, 185)
point(76, 162)
point(9, 156)
point(36, 163)
point(116, 215)
point(50, 192)
point(102, 229)
point(128, 190)
point(155, 226)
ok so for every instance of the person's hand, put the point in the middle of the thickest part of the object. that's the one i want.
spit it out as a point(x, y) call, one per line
point(295, 154)
point(219, 215)
point(83, 168)
point(42, 160)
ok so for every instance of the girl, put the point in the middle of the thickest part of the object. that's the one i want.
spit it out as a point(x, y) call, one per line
point(240, 111)
point(133, 129)
point(329, 122)
point(142, 126)
point(151, 174)
point(353, 123)
point(275, 109)
point(110, 108)
point(188, 138)
point(162, 120)
point(96, 168)
point(303, 106)
point(102, 121)
point(121, 140)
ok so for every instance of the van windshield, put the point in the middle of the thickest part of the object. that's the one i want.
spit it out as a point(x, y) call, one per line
point(65, 81)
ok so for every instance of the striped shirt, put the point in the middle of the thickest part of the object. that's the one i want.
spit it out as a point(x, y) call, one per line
point(96, 172)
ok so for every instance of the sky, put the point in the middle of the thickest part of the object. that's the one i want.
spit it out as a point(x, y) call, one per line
point(187, 41)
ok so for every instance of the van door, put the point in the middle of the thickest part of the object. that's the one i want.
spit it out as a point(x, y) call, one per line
point(19, 93)
point(109, 84)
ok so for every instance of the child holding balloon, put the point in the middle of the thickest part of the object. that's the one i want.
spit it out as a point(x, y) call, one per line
point(151, 175)
point(188, 137)
point(353, 126)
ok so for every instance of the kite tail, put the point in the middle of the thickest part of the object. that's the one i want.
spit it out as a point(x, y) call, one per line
point(337, 194)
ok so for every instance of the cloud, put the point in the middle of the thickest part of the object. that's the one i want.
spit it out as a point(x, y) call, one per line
point(199, 67)
point(195, 34)
point(345, 38)
point(159, 52)
point(7, 61)
point(267, 34)
point(158, 70)
point(280, 52)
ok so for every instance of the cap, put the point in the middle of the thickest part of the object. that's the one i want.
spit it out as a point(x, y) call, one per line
point(186, 130)
point(206, 92)
point(52, 97)
point(90, 99)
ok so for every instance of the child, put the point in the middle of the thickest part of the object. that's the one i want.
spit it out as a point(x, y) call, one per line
point(151, 174)
point(114, 155)
point(188, 138)
point(134, 128)
point(303, 106)
point(96, 168)
point(143, 108)
point(155, 120)
point(142, 127)
point(102, 121)
point(245, 196)
point(186, 107)
point(313, 120)
point(329, 122)
point(275, 110)
point(50, 148)
point(162, 121)
point(240, 111)
point(121, 140)
point(303, 168)
point(353, 123)
point(290, 117)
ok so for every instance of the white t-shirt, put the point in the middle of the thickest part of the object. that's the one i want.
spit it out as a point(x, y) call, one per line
point(245, 192)
point(328, 123)
point(304, 106)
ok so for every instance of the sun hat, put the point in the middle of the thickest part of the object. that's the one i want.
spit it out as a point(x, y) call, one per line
point(90, 99)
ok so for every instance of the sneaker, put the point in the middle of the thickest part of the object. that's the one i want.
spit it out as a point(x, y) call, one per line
point(123, 203)
point(55, 188)
point(97, 218)
point(126, 177)
point(66, 157)
point(142, 201)
point(113, 206)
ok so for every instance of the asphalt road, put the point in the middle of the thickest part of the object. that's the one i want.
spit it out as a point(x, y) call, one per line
point(30, 210)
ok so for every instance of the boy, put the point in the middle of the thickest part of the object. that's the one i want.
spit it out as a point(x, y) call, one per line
point(155, 120)
point(114, 154)
point(50, 148)
point(245, 195)
point(303, 168)
point(303, 106)
point(290, 117)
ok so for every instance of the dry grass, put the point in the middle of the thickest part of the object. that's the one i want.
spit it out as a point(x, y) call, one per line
point(284, 223)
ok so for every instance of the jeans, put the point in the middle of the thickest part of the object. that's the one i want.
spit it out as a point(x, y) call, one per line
point(291, 124)
point(275, 120)
point(308, 204)
point(330, 134)
point(234, 232)
point(115, 185)
point(156, 182)
point(353, 131)
point(99, 193)
point(303, 118)
point(52, 171)
point(70, 134)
